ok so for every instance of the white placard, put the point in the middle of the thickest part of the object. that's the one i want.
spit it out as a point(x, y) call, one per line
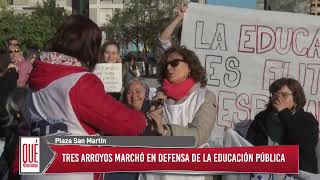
point(111, 76)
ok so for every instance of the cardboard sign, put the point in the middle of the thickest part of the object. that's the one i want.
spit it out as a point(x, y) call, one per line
point(111, 76)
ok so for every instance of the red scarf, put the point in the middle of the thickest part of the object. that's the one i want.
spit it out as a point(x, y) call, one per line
point(177, 91)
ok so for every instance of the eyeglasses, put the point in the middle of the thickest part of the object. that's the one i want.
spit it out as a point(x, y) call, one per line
point(134, 92)
point(285, 95)
point(175, 62)
point(14, 51)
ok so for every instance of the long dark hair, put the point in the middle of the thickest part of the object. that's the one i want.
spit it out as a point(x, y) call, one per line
point(78, 37)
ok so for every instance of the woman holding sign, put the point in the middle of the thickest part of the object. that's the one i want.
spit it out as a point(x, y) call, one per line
point(110, 53)
point(67, 99)
point(284, 122)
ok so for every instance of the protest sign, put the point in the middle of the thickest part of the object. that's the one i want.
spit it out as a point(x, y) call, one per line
point(111, 76)
point(245, 50)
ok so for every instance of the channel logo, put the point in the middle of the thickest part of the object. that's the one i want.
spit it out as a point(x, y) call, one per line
point(29, 155)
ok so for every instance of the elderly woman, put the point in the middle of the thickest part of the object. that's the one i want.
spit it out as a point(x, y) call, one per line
point(284, 122)
point(136, 95)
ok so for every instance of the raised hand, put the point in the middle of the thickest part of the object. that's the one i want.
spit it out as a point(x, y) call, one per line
point(182, 10)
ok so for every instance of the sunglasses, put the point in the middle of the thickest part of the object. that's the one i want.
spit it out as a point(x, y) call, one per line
point(14, 44)
point(175, 62)
point(14, 51)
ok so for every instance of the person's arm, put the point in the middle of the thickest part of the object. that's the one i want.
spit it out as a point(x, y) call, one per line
point(99, 110)
point(256, 133)
point(25, 68)
point(251, 133)
point(166, 34)
point(302, 128)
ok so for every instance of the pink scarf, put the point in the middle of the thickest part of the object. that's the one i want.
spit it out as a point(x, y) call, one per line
point(178, 90)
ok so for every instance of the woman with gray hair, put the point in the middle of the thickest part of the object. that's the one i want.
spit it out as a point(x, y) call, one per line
point(136, 95)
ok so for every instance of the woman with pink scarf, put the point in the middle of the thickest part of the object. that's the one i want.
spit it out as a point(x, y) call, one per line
point(190, 108)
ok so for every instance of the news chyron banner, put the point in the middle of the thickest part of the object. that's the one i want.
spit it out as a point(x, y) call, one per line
point(75, 154)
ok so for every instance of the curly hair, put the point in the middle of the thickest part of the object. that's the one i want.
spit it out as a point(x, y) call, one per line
point(297, 91)
point(197, 72)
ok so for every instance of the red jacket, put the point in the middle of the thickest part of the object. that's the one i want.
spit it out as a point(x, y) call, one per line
point(97, 111)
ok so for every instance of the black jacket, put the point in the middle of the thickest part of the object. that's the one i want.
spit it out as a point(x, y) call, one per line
point(8, 82)
point(300, 129)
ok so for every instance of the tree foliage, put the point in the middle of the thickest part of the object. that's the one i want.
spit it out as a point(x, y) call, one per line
point(3, 5)
point(141, 21)
point(31, 30)
point(52, 11)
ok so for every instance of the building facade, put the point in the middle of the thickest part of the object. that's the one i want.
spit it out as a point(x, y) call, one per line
point(315, 7)
point(296, 6)
point(28, 6)
point(100, 11)
point(260, 4)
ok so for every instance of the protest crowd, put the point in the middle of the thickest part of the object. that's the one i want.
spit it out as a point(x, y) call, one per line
point(56, 92)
